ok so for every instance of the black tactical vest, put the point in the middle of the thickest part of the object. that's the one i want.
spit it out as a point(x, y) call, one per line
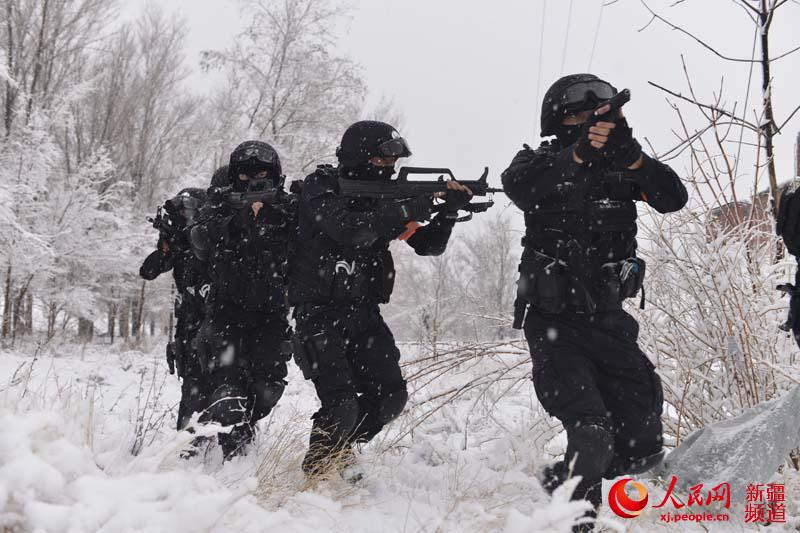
point(324, 271)
point(579, 242)
point(249, 270)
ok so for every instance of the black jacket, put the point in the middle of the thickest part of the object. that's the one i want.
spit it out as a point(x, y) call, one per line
point(187, 271)
point(246, 256)
point(191, 282)
point(581, 219)
point(342, 251)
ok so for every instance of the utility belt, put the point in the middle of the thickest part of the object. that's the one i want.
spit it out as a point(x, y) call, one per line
point(552, 285)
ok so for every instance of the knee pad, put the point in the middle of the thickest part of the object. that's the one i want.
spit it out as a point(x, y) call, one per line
point(335, 421)
point(265, 396)
point(590, 443)
point(227, 405)
point(392, 404)
point(377, 412)
point(192, 388)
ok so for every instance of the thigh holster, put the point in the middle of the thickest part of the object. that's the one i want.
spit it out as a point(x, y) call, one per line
point(306, 352)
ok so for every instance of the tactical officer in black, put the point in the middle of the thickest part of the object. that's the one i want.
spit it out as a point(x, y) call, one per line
point(579, 263)
point(243, 235)
point(191, 282)
point(788, 227)
point(341, 270)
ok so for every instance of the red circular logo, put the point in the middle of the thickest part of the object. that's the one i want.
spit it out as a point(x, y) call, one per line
point(622, 504)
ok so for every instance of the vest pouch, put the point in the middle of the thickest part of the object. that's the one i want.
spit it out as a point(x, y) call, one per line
point(542, 282)
point(622, 279)
point(351, 279)
point(382, 278)
point(228, 274)
point(266, 285)
point(611, 289)
point(631, 276)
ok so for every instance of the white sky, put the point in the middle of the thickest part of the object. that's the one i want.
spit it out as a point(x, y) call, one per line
point(464, 72)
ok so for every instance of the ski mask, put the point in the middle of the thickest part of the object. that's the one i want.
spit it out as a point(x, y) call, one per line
point(368, 172)
point(568, 135)
point(251, 158)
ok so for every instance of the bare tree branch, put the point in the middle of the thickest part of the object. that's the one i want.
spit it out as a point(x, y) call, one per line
point(656, 16)
point(692, 36)
point(715, 109)
point(779, 128)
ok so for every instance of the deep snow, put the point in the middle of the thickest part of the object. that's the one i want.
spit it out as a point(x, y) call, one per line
point(71, 417)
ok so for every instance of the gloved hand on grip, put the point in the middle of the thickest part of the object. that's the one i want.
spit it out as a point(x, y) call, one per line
point(456, 197)
point(621, 148)
point(418, 209)
point(592, 140)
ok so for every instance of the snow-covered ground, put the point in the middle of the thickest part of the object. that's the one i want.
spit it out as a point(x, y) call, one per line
point(462, 458)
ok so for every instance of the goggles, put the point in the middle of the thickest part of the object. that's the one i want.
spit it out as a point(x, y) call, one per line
point(393, 148)
point(260, 154)
point(183, 202)
point(586, 95)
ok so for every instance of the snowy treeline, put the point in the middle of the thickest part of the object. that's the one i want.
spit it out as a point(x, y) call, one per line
point(100, 125)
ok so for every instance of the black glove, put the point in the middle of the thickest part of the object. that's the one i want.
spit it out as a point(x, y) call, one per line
point(583, 147)
point(622, 149)
point(418, 209)
point(455, 200)
point(524, 156)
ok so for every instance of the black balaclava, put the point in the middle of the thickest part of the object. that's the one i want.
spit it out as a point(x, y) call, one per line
point(568, 135)
point(368, 171)
point(250, 158)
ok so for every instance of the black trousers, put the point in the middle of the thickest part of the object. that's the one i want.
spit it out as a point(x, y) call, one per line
point(588, 370)
point(356, 369)
point(238, 367)
point(186, 330)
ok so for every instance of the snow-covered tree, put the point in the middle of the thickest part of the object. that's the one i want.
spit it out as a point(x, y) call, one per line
point(285, 83)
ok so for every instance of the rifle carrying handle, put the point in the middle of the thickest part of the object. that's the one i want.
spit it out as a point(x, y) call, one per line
point(402, 175)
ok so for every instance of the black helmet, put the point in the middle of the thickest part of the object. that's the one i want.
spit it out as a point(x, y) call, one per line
point(184, 206)
point(220, 177)
point(571, 94)
point(255, 156)
point(367, 139)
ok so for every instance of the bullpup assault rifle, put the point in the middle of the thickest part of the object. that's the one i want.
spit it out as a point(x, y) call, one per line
point(402, 187)
point(243, 199)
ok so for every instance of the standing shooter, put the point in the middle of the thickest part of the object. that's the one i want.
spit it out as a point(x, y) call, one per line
point(341, 271)
point(579, 264)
